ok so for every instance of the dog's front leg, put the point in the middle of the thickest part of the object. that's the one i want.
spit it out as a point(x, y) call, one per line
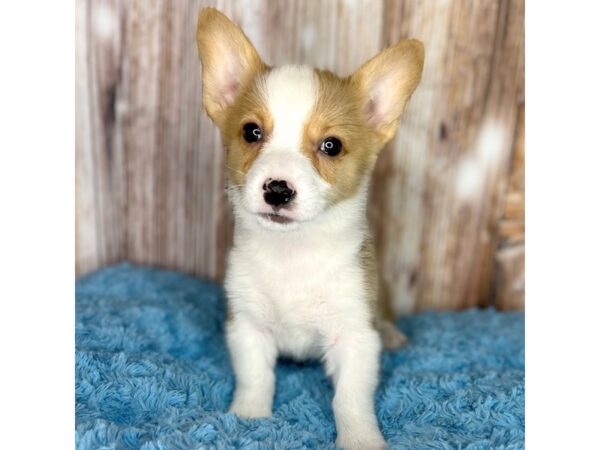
point(253, 356)
point(353, 363)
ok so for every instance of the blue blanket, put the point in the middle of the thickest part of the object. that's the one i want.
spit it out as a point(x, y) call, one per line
point(152, 372)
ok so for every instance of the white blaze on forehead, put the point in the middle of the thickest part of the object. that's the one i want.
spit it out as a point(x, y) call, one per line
point(291, 93)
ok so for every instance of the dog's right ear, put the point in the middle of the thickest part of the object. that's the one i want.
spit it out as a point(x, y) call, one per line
point(229, 61)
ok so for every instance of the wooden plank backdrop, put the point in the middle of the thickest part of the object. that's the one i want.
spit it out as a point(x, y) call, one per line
point(447, 196)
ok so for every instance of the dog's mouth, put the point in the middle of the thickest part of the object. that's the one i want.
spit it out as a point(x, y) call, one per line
point(277, 218)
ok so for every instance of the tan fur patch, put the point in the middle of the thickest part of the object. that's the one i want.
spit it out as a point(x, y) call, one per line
point(379, 300)
point(249, 107)
point(338, 113)
point(363, 112)
point(233, 95)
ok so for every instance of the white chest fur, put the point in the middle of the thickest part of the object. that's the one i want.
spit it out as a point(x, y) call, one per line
point(301, 287)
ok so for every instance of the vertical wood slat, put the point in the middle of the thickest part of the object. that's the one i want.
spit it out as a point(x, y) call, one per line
point(100, 175)
point(86, 246)
point(150, 166)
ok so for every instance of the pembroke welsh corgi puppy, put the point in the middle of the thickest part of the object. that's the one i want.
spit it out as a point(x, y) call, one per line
point(301, 279)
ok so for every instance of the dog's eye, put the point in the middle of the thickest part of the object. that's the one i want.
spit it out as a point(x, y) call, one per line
point(252, 132)
point(331, 146)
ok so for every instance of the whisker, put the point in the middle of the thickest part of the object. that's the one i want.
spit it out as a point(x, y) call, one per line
point(236, 170)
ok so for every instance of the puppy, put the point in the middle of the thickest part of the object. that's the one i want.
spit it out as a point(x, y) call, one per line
point(301, 279)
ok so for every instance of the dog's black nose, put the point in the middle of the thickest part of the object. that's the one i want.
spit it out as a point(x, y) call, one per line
point(278, 193)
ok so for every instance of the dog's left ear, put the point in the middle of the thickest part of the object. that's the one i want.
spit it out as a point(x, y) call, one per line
point(387, 81)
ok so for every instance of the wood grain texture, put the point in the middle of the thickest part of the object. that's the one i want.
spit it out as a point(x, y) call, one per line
point(150, 168)
point(100, 168)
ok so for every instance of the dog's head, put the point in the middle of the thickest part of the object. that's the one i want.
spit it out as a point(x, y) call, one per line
point(299, 140)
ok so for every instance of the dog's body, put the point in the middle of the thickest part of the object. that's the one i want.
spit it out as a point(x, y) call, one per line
point(301, 278)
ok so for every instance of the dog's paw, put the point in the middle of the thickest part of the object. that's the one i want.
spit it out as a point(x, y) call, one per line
point(391, 337)
point(361, 441)
point(250, 408)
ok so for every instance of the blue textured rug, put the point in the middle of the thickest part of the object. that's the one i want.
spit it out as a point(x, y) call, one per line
point(152, 372)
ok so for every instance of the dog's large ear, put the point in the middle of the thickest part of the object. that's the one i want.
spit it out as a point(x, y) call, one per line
point(387, 82)
point(229, 61)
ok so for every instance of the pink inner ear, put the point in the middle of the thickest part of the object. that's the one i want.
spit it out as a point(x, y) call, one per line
point(383, 98)
point(371, 112)
point(375, 112)
point(230, 91)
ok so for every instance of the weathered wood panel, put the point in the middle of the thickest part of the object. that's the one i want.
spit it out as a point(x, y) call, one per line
point(150, 184)
point(175, 195)
point(100, 165)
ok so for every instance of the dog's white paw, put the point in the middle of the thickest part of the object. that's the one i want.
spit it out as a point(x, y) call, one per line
point(250, 407)
point(372, 440)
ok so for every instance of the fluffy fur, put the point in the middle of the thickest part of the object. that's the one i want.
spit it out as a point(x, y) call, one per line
point(152, 372)
point(304, 285)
